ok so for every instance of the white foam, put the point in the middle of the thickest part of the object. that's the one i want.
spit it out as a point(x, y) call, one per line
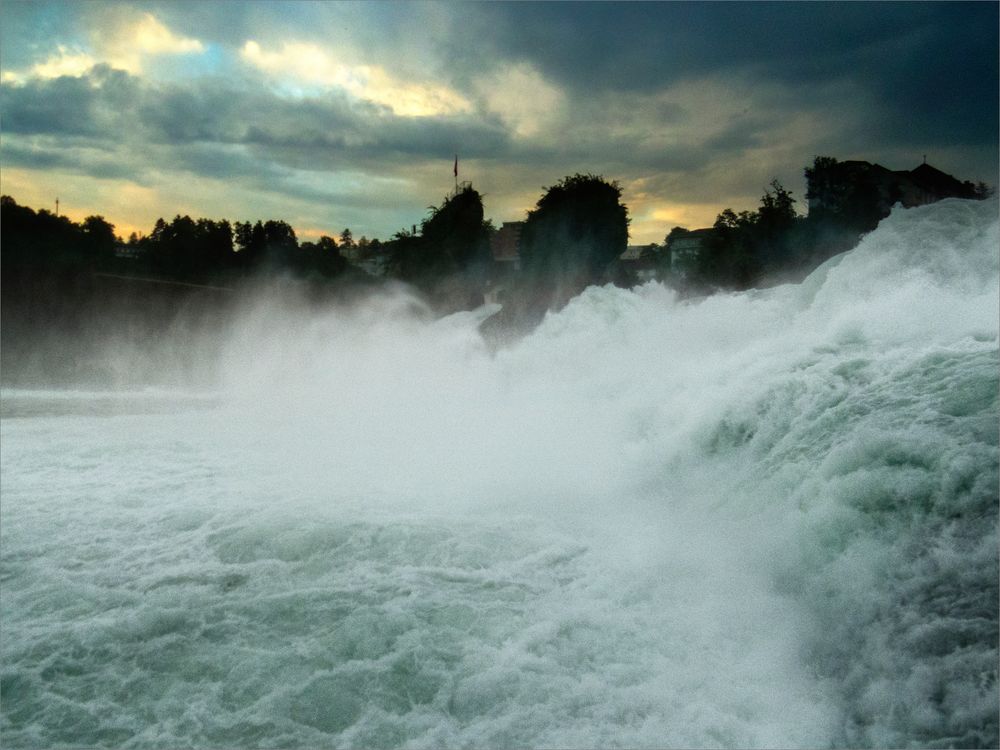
point(754, 520)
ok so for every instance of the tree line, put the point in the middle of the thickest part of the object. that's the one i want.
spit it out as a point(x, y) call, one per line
point(573, 237)
point(773, 243)
point(577, 228)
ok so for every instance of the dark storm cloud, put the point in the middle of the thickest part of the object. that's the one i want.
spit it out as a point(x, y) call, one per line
point(83, 161)
point(317, 131)
point(66, 105)
point(641, 46)
point(932, 66)
point(945, 82)
point(114, 108)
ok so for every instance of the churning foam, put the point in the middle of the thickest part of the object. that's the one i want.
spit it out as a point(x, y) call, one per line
point(758, 520)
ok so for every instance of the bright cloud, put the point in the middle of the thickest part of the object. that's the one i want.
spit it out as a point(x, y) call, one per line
point(299, 63)
point(653, 217)
point(688, 215)
point(152, 37)
point(124, 42)
point(64, 63)
point(127, 46)
point(523, 99)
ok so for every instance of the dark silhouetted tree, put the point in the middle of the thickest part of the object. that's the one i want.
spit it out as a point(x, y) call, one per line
point(250, 242)
point(320, 258)
point(773, 232)
point(172, 248)
point(346, 240)
point(844, 195)
point(189, 249)
point(99, 239)
point(266, 246)
point(728, 259)
point(280, 243)
point(44, 242)
point(455, 235)
point(576, 230)
point(826, 192)
point(453, 240)
point(743, 248)
point(215, 246)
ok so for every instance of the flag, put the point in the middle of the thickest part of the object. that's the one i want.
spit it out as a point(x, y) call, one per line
point(456, 165)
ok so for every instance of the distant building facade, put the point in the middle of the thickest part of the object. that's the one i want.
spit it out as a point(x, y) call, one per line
point(130, 251)
point(505, 245)
point(684, 246)
point(376, 264)
point(640, 260)
point(635, 253)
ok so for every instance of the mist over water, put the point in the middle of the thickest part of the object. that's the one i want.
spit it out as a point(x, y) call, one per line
point(753, 520)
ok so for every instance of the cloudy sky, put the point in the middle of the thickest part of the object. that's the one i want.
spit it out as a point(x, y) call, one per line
point(332, 115)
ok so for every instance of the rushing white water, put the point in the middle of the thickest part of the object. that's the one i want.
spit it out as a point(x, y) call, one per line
point(754, 520)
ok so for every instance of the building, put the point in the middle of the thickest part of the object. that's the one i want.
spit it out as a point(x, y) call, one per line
point(635, 253)
point(859, 188)
point(684, 247)
point(505, 249)
point(505, 245)
point(130, 251)
point(640, 260)
point(374, 264)
point(933, 185)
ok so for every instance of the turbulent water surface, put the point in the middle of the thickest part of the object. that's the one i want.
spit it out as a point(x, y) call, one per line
point(765, 519)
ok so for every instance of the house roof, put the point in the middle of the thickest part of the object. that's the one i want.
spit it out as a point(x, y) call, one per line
point(934, 180)
point(634, 252)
